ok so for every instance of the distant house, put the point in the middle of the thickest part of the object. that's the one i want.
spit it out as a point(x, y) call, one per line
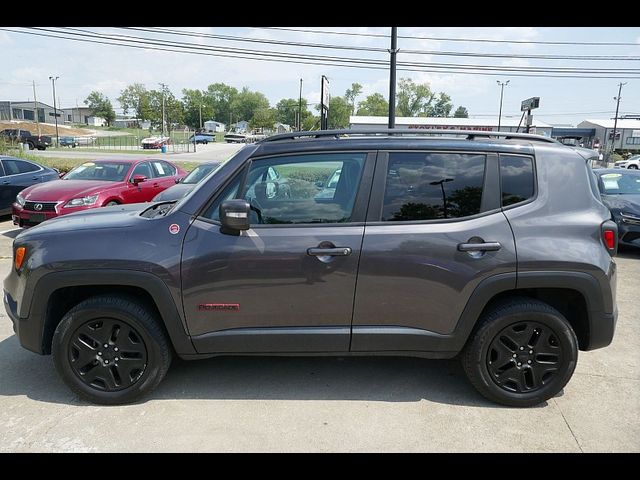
point(82, 115)
point(213, 126)
point(123, 121)
point(26, 111)
point(240, 127)
point(282, 128)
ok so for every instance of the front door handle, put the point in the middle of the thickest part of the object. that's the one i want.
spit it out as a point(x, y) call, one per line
point(479, 247)
point(333, 252)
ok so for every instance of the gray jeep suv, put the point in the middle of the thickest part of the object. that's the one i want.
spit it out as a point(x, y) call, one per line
point(491, 246)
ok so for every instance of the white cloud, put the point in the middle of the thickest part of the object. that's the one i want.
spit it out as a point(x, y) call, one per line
point(5, 39)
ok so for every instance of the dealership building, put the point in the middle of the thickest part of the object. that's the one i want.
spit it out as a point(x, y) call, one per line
point(627, 133)
point(449, 123)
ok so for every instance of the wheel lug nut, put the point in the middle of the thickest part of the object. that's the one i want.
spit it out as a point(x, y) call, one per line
point(107, 361)
point(521, 348)
point(514, 355)
point(106, 345)
point(116, 349)
point(519, 364)
point(529, 362)
point(530, 352)
point(99, 353)
point(116, 359)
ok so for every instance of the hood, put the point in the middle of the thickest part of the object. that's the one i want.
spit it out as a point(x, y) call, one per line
point(624, 203)
point(118, 216)
point(176, 192)
point(61, 190)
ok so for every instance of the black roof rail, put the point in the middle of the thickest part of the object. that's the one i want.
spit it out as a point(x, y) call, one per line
point(471, 134)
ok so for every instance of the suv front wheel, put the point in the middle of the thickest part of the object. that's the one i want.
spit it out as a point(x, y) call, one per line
point(523, 353)
point(110, 349)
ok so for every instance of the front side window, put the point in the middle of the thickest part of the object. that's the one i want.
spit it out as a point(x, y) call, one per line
point(432, 186)
point(516, 173)
point(296, 189)
point(142, 169)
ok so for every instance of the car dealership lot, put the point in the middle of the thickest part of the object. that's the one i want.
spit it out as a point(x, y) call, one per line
point(326, 404)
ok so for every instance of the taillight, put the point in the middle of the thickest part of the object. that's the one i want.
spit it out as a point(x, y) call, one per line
point(609, 239)
point(610, 236)
point(20, 253)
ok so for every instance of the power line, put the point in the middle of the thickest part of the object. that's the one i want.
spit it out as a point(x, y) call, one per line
point(448, 39)
point(289, 57)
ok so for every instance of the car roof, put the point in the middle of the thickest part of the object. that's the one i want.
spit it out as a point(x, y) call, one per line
point(603, 171)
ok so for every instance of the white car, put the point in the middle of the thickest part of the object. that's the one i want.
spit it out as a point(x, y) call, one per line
point(632, 162)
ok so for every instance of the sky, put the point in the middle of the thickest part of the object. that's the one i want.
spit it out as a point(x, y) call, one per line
point(83, 67)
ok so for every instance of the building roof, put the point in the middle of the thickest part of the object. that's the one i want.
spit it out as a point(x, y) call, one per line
point(622, 123)
point(461, 122)
point(27, 103)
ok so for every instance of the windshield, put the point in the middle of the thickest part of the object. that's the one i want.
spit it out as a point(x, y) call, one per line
point(199, 173)
point(105, 171)
point(620, 183)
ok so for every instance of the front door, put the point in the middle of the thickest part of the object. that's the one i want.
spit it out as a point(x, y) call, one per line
point(143, 191)
point(434, 231)
point(287, 284)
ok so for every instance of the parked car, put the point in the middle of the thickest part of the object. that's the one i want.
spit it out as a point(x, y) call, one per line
point(95, 184)
point(620, 192)
point(415, 255)
point(17, 174)
point(632, 162)
point(155, 142)
point(186, 184)
point(16, 136)
point(203, 138)
point(86, 140)
point(68, 142)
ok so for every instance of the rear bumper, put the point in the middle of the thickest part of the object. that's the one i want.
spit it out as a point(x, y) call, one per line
point(602, 328)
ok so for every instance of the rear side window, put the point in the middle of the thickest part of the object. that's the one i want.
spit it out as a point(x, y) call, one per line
point(518, 184)
point(14, 167)
point(163, 169)
point(432, 186)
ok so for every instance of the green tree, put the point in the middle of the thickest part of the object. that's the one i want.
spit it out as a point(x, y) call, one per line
point(287, 110)
point(194, 102)
point(135, 98)
point(461, 112)
point(375, 105)
point(312, 122)
point(442, 106)
point(351, 94)
point(413, 99)
point(263, 118)
point(173, 110)
point(247, 103)
point(100, 106)
point(221, 97)
point(339, 111)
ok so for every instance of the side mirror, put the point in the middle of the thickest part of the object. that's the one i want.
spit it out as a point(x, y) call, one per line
point(138, 179)
point(234, 216)
point(319, 184)
point(178, 180)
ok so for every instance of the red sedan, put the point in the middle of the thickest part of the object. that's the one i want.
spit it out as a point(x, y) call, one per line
point(95, 184)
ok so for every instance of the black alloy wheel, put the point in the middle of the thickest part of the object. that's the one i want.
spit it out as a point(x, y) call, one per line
point(108, 354)
point(524, 357)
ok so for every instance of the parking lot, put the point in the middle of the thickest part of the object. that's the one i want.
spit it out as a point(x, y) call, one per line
point(327, 404)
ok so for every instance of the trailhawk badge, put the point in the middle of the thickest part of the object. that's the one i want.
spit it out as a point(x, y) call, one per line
point(174, 228)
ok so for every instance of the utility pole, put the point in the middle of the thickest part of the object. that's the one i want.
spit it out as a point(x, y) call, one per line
point(300, 108)
point(55, 110)
point(163, 87)
point(502, 85)
point(35, 107)
point(200, 116)
point(392, 77)
point(615, 121)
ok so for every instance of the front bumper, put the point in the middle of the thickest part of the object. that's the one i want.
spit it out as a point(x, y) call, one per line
point(29, 218)
point(628, 232)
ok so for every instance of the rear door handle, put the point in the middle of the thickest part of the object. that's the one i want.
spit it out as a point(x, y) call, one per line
point(334, 252)
point(479, 247)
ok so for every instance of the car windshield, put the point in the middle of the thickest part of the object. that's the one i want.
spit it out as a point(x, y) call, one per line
point(199, 173)
point(620, 183)
point(105, 171)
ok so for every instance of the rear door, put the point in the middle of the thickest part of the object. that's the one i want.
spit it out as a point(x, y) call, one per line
point(288, 283)
point(164, 174)
point(18, 175)
point(434, 231)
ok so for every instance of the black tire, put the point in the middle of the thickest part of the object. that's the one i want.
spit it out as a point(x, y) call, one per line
point(142, 332)
point(31, 145)
point(111, 203)
point(41, 148)
point(633, 167)
point(527, 380)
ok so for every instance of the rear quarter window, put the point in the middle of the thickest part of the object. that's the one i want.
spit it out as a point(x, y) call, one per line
point(517, 179)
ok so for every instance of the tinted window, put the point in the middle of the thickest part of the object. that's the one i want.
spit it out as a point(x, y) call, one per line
point(163, 169)
point(142, 169)
point(105, 171)
point(230, 192)
point(199, 173)
point(620, 183)
point(13, 167)
point(431, 186)
point(517, 179)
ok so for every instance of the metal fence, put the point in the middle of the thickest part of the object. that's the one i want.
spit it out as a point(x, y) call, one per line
point(123, 143)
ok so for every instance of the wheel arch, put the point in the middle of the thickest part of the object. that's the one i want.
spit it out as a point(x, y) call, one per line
point(57, 292)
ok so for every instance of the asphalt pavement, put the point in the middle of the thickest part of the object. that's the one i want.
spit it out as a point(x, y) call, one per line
point(236, 404)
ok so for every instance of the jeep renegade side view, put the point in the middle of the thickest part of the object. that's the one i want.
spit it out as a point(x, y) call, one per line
point(491, 246)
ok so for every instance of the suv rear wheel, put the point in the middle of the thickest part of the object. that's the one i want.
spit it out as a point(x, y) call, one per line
point(524, 353)
point(110, 350)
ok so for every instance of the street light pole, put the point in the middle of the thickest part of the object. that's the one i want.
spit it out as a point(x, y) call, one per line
point(615, 121)
point(300, 108)
point(392, 77)
point(200, 116)
point(55, 110)
point(502, 85)
point(163, 87)
point(444, 196)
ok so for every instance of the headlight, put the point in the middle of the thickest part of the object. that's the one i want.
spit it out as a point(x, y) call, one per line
point(82, 202)
point(20, 200)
